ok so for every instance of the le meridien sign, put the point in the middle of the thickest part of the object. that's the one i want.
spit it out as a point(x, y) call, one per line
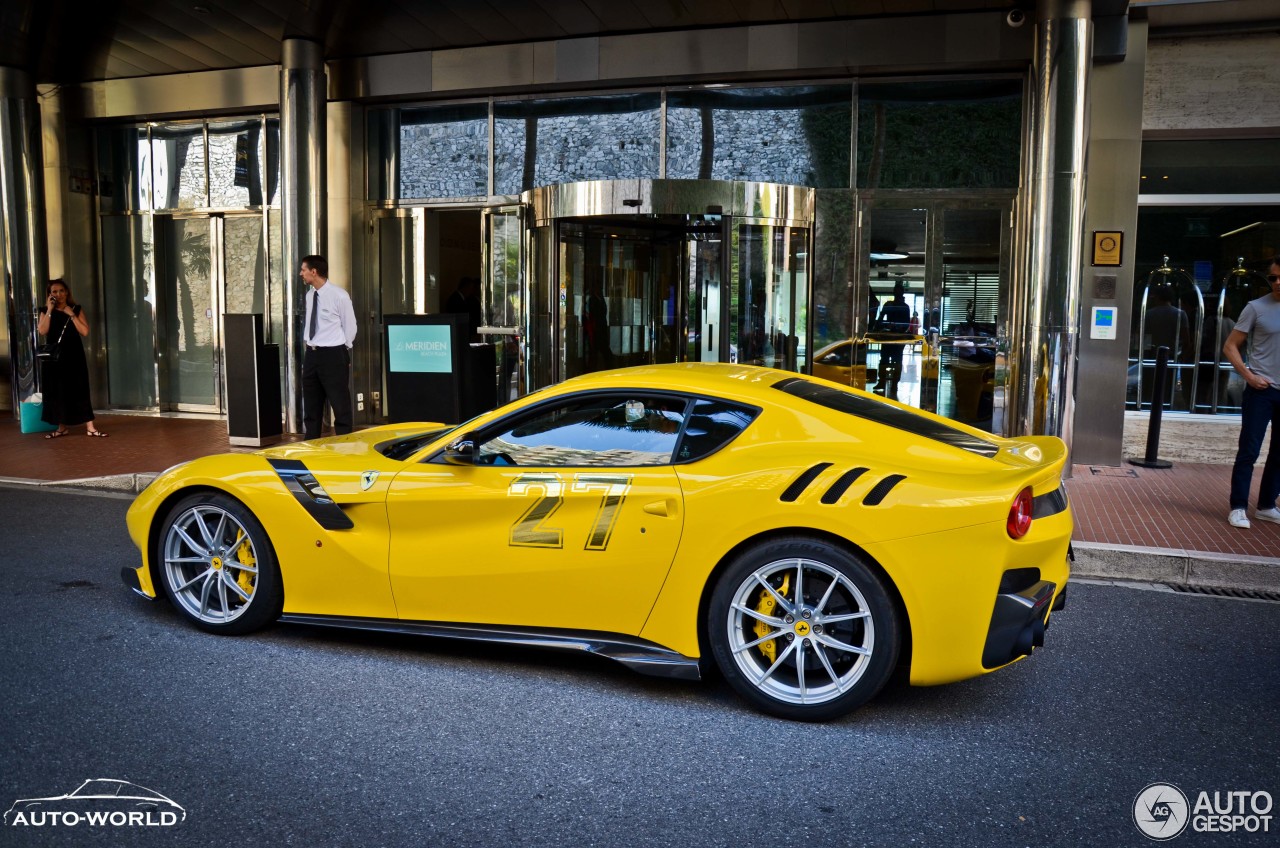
point(419, 348)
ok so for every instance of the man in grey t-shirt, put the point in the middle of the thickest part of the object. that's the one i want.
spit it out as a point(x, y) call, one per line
point(1259, 325)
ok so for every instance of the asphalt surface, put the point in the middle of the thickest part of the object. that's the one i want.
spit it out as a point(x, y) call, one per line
point(297, 736)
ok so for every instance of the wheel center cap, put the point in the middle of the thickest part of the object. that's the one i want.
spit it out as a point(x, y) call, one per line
point(216, 562)
point(802, 628)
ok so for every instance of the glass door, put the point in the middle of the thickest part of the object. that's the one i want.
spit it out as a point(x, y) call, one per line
point(189, 270)
point(769, 295)
point(502, 294)
point(209, 265)
point(704, 318)
point(973, 321)
point(930, 309)
point(620, 292)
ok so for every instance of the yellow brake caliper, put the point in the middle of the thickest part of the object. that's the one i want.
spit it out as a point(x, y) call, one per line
point(766, 606)
point(244, 556)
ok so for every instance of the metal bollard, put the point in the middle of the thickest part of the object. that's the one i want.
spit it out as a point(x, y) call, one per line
point(1157, 411)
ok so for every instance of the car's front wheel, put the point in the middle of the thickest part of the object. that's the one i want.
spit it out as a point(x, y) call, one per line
point(217, 566)
point(803, 629)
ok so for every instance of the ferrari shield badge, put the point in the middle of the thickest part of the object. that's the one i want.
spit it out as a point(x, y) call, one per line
point(367, 479)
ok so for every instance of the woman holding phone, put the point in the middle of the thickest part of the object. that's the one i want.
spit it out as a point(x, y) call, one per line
point(65, 375)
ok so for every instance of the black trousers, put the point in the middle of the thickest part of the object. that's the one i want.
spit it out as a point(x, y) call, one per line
point(326, 375)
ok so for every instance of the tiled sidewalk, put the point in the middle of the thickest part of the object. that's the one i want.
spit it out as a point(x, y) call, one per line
point(1179, 508)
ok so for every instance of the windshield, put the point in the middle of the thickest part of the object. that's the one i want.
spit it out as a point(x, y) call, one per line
point(400, 449)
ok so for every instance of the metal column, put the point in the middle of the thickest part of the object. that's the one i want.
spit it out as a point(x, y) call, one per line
point(1045, 321)
point(303, 98)
point(23, 253)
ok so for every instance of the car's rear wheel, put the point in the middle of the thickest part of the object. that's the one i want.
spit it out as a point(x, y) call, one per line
point(217, 566)
point(803, 629)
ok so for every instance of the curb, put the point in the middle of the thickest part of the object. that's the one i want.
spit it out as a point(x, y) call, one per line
point(117, 483)
point(1168, 565)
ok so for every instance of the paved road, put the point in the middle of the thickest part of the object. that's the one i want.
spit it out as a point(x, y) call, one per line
point(307, 737)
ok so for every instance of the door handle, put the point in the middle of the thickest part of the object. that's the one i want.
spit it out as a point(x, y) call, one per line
point(663, 508)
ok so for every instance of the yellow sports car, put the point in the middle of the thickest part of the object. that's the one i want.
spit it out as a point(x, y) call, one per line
point(804, 538)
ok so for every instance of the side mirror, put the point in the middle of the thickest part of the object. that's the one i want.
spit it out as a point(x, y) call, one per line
point(462, 450)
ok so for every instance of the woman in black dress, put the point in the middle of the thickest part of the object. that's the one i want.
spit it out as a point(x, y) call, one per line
point(65, 380)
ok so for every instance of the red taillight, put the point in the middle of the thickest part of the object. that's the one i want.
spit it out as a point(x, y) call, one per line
point(1020, 514)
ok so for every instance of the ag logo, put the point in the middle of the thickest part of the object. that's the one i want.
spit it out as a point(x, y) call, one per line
point(1161, 811)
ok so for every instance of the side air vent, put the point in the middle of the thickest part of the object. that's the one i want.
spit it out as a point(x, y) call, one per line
point(299, 480)
point(882, 489)
point(839, 487)
point(797, 487)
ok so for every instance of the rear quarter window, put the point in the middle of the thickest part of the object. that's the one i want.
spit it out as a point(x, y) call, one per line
point(712, 424)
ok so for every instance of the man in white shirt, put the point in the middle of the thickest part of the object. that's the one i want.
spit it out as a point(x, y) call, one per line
point(329, 329)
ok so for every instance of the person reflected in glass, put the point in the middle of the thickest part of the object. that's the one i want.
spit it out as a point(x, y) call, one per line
point(465, 300)
point(595, 327)
point(895, 319)
point(64, 376)
point(1168, 326)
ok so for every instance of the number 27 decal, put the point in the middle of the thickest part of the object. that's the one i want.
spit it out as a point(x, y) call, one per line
point(531, 529)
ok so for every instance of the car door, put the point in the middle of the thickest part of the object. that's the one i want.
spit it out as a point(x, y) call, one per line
point(567, 516)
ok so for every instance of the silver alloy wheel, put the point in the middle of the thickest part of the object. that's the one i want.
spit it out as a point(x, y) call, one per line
point(210, 564)
point(800, 631)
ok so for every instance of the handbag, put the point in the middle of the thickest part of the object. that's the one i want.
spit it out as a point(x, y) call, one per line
point(50, 351)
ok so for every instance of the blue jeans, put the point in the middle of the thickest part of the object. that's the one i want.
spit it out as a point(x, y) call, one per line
point(1259, 408)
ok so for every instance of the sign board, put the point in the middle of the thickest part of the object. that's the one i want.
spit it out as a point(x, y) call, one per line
point(420, 348)
point(1103, 325)
point(1106, 247)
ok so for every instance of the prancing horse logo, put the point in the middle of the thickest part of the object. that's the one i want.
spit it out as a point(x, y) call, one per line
point(367, 479)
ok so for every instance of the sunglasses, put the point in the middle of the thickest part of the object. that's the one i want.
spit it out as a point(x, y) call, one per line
point(1271, 278)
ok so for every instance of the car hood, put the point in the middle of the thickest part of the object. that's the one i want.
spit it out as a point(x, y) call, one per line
point(360, 445)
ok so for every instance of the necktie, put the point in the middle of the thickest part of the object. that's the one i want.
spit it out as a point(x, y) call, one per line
point(315, 315)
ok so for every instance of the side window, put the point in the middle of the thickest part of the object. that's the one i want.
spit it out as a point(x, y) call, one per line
point(841, 356)
point(712, 425)
point(594, 432)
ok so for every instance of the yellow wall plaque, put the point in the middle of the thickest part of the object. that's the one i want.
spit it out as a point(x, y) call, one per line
point(1106, 247)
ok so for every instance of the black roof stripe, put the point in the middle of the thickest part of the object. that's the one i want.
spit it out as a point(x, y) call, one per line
point(802, 482)
point(878, 492)
point(839, 487)
point(881, 412)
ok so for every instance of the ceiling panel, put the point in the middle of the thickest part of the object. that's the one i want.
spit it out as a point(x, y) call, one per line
point(529, 17)
point(615, 15)
point(70, 41)
point(575, 17)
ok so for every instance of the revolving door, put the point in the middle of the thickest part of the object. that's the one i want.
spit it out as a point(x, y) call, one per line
point(638, 272)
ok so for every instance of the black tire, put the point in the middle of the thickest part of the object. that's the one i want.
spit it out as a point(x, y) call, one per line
point(217, 565)
point(757, 635)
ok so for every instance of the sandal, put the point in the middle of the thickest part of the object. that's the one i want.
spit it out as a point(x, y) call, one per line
point(56, 434)
point(96, 434)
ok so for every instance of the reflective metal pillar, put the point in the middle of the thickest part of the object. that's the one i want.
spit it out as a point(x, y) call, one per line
point(303, 97)
point(23, 255)
point(1045, 321)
